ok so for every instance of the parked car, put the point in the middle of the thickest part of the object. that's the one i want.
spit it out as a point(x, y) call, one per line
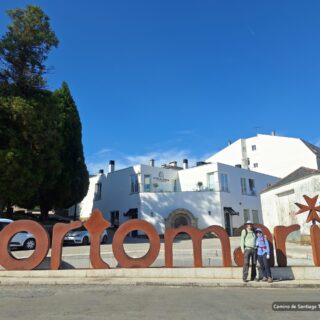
point(22, 239)
point(82, 236)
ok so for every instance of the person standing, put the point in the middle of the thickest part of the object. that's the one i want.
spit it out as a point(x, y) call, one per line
point(248, 248)
point(263, 253)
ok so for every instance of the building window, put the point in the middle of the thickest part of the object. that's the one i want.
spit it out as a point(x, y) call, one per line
point(134, 185)
point(255, 216)
point(253, 147)
point(255, 165)
point(285, 193)
point(252, 188)
point(210, 181)
point(224, 182)
point(97, 191)
point(243, 185)
point(246, 215)
point(147, 183)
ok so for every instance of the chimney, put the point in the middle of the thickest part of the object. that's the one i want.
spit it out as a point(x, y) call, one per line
point(151, 162)
point(185, 164)
point(229, 143)
point(173, 164)
point(111, 166)
point(273, 133)
point(101, 171)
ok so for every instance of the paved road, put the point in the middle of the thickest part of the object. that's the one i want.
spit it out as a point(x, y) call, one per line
point(148, 302)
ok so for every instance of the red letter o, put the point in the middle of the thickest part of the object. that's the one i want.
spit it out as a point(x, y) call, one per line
point(118, 249)
point(8, 261)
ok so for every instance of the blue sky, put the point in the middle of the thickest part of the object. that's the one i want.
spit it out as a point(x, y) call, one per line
point(172, 79)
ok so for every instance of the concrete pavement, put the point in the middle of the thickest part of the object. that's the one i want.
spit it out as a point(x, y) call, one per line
point(148, 303)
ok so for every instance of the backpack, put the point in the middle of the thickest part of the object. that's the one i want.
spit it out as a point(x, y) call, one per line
point(253, 230)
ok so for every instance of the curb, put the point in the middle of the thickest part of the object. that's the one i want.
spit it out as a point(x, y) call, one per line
point(205, 283)
point(286, 277)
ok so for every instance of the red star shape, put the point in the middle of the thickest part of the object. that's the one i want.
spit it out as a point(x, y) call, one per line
point(311, 207)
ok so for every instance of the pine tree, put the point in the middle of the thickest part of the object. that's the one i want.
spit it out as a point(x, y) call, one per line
point(23, 50)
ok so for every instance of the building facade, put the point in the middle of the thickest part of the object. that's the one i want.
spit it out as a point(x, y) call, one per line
point(270, 154)
point(278, 201)
point(170, 196)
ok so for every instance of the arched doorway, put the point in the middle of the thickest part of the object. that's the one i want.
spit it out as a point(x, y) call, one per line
point(181, 221)
point(181, 217)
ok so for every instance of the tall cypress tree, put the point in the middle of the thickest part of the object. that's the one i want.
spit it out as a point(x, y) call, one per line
point(74, 180)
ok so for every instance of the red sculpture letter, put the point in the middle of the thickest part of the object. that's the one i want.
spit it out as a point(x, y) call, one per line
point(197, 236)
point(8, 261)
point(280, 234)
point(118, 250)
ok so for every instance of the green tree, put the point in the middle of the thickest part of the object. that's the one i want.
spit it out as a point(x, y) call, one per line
point(24, 48)
point(29, 139)
point(41, 154)
point(29, 149)
point(19, 178)
point(72, 185)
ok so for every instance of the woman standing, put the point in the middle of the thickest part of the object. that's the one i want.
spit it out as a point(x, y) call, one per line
point(263, 253)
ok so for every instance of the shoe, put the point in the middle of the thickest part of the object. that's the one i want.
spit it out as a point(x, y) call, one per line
point(264, 279)
point(245, 280)
point(257, 279)
point(270, 280)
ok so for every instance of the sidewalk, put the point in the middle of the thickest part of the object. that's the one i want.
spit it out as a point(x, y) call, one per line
point(223, 283)
point(296, 277)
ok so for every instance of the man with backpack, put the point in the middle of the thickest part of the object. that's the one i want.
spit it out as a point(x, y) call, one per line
point(248, 248)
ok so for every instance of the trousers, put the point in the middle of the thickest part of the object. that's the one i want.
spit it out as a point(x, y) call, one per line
point(249, 255)
point(265, 270)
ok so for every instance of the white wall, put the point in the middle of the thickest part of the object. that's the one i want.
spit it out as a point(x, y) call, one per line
point(84, 209)
point(189, 178)
point(279, 156)
point(275, 155)
point(231, 155)
point(118, 195)
point(163, 177)
point(238, 201)
point(198, 203)
point(278, 205)
point(205, 205)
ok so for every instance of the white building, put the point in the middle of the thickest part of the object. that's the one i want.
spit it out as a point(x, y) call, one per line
point(278, 201)
point(169, 196)
point(270, 154)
